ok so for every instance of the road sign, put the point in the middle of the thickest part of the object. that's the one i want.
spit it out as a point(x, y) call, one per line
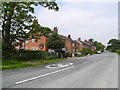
point(41, 46)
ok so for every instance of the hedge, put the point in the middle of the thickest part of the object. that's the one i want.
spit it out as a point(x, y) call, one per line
point(26, 55)
point(30, 54)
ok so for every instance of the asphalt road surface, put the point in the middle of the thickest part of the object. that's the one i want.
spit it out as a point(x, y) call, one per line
point(95, 71)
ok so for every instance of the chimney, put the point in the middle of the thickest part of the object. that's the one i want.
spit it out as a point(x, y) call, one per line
point(79, 39)
point(69, 36)
point(55, 30)
point(85, 41)
point(35, 21)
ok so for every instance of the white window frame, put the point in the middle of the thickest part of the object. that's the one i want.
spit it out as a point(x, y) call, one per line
point(26, 41)
point(73, 44)
point(33, 40)
point(33, 48)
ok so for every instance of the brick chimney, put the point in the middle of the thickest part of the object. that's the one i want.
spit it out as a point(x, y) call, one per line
point(69, 36)
point(79, 39)
point(55, 30)
point(85, 41)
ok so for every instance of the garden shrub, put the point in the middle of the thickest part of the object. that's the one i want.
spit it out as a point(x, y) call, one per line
point(118, 51)
point(69, 54)
point(29, 54)
point(79, 55)
point(50, 56)
point(85, 51)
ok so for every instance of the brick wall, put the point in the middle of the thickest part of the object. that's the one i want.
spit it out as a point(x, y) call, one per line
point(33, 44)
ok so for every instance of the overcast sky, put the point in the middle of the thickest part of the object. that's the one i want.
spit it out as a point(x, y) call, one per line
point(97, 20)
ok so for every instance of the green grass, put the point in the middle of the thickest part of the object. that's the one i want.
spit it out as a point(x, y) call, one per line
point(10, 64)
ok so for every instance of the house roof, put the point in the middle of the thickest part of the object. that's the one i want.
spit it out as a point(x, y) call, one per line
point(67, 38)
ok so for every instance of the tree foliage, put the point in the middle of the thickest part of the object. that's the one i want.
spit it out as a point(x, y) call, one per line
point(113, 45)
point(17, 18)
point(55, 42)
point(85, 51)
point(38, 31)
point(99, 46)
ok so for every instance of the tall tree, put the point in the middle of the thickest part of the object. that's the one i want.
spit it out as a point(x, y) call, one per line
point(17, 18)
point(113, 45)
point(91, 40)
point(55, 42)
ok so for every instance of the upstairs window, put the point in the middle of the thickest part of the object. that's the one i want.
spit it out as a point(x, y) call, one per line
point(33, 40)
point(73, 44)
point(26, 41)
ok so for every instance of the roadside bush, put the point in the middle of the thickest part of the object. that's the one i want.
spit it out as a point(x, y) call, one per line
point(69, 54)
point(75, 54)
point(29, 54)
point(118, 51)
point(50, 56)
point(85, 51)
point(92, 52)
point(79, 55)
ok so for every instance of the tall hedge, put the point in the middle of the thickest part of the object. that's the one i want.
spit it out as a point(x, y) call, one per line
point(30, 54)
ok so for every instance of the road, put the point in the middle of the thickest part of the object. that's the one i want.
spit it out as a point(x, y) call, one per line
point(95, 71)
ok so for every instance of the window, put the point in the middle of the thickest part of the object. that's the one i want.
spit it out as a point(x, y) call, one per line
point(34, 48)
point(77, 44)
point(33, 40)
point(26, 41)
point(17, 40)
point(73, 44)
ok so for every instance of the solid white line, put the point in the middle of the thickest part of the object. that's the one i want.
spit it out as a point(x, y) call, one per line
point(43, 75)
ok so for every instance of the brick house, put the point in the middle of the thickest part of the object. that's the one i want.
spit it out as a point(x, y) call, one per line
point(88, 44)
point(32, 44)
point(80, 47)
point(70, 45)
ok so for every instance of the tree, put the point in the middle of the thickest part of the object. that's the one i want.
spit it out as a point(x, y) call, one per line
point(55, 42)
point(38, 31)
point(91, 40)
point(16, 19)
point(86, 51)
point(113, 45)
point(100, 47)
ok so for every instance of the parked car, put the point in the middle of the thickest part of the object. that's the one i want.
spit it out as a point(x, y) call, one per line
point(99, 52)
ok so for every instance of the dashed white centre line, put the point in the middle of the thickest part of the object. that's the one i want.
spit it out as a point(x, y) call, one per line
point(23, 81)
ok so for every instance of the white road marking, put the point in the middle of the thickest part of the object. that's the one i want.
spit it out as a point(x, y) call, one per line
point(85, 62)
point(23, 81)
point(59, 65)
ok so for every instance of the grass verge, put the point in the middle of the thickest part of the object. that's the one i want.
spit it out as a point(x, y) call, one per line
point(10, 64)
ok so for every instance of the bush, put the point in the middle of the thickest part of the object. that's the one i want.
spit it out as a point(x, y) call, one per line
point(75, 54)
point(118, 51)
point(50, 56)
point(92, 52)
point(28, 55)
point(85, 51)
point(69, 54)
point(79, 55)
